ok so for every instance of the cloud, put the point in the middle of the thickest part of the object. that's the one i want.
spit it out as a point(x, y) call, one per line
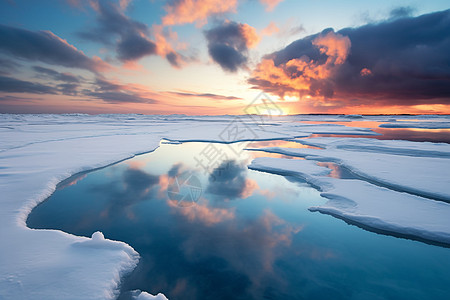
point(229, 181)
point(204, 214)
point(46, 47)
point(270, 4)
point(315, 59)
point(134, 47)
point(80, 3)
point(190, 11)
point(13, 85)
point(401, 12)
point(270, 29)
point(67, 77)
point(134, 187)
point(205, 95)
point(133, 42)
point(397, 62)
point(282, 31)
point(116, 93)
point(229, 42)
point(164, 38)
point(130, 38)
point(260, 241)
point(9, 98)
point(70, 89)
point(8, 66)
point(138, 182)
point(174, 59)
point(119, 97)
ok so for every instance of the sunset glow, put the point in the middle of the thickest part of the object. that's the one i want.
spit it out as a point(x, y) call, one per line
point(208, 57)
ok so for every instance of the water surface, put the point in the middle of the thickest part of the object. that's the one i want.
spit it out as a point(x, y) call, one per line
point(246, 235)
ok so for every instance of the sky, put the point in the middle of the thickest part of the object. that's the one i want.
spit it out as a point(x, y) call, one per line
point(215, 57)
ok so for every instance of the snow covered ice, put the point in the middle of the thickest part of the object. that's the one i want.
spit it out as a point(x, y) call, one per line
point(400, 187)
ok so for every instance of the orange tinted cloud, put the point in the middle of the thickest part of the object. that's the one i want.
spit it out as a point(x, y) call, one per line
point(270, 4)
point(365, 72)
point(250, 187)
point(204, 214)
point(136, 164)
point(165, 39)
point(278, 232)
point(334, 45)
point(365, 79)
point(272, 28)
point(302, 74)
point(250, 35)
point(190, 11)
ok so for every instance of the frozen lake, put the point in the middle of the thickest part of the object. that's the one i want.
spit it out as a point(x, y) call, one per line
point(227, 232)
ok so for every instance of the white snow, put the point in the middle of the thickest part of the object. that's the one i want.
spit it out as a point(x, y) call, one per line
point(364, 203)
point(399, 147)
point(414, 167)
point(39, 151)
point(388, 210)
point(398, 178)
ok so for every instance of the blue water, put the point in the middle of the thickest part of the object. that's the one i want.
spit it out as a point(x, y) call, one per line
point(226, 232)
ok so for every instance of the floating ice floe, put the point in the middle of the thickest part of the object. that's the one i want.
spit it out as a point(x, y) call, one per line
point(402, 187)
point(398, 165)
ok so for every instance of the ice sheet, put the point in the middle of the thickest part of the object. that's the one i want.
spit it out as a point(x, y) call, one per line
point(39, 151)
point(426, 124)
point(368, 205)
point(414, 167)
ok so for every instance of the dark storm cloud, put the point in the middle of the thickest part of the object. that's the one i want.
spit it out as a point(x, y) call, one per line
point(13, 85)
point(56, 75)
point(133, 42)
point(46, 47)
point(228, 44)
point(400, 61)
